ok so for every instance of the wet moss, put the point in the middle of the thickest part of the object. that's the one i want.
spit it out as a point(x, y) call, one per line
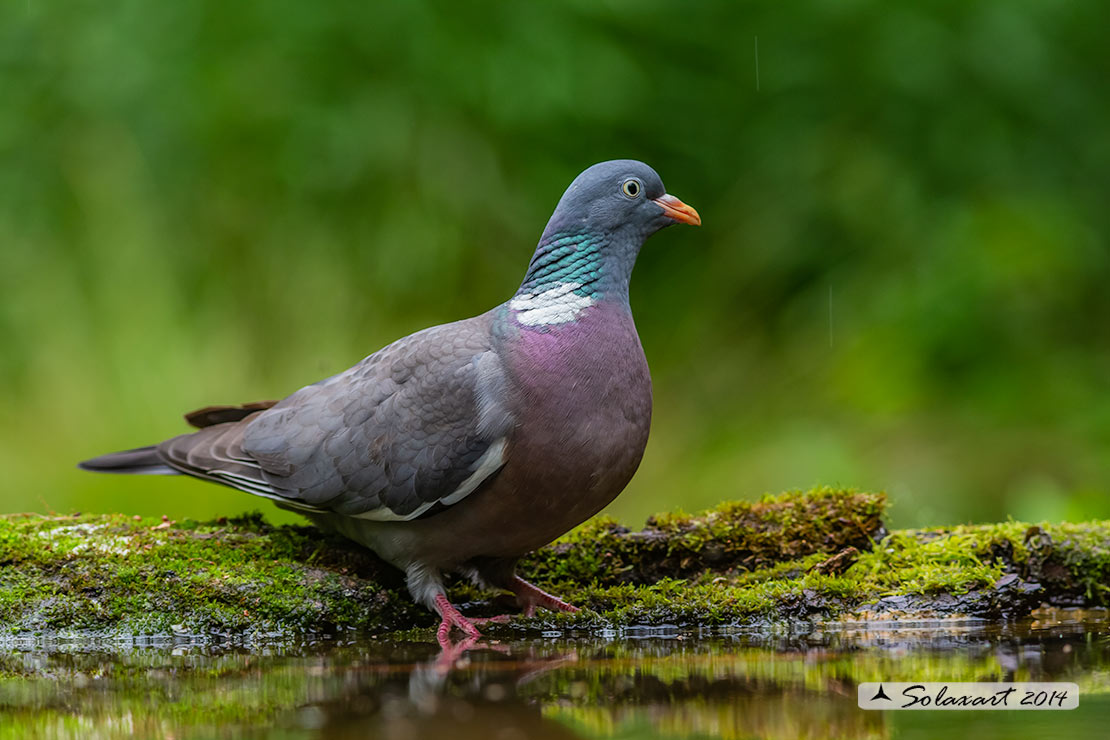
point(141, 575)
point(821, 555)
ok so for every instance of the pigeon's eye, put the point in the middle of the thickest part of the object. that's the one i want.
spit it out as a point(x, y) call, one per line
point(631, 188)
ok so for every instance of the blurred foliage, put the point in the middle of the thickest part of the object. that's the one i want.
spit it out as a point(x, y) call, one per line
point(900, 284)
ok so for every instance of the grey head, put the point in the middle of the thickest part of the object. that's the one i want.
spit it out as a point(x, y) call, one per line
point(601, 222)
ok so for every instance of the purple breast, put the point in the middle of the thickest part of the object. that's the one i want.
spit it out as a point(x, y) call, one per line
point(583, 387)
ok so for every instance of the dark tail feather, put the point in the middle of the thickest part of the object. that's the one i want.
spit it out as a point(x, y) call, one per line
point(144, 460)
point(212, 415)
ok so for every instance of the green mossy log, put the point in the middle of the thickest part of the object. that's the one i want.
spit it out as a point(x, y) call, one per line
point(822, 555)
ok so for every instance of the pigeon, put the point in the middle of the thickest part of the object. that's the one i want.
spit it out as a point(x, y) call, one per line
point(462, 447)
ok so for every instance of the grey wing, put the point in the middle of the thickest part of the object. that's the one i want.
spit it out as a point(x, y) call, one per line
point(419, 423)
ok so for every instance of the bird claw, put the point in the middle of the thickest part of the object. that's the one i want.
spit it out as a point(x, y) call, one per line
point(452, 617)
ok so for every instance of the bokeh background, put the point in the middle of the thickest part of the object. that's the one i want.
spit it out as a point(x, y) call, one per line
point(901, 282)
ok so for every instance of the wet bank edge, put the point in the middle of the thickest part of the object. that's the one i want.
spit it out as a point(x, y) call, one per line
point(819, 556)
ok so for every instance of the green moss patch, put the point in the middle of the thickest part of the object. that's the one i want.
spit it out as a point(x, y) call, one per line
point(232, 575)
point(734, 536)
point(821, 555)
point(997, 571)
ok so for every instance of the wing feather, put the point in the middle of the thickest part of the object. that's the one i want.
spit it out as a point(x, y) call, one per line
point(422, 422)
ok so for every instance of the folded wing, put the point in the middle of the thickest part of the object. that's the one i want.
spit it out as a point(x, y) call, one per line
point(421, 423)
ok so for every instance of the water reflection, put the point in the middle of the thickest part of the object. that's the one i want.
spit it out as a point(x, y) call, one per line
point(482, 695)
point(798, 685)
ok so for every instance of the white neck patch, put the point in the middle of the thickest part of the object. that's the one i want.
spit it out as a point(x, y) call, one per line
point(556, 305)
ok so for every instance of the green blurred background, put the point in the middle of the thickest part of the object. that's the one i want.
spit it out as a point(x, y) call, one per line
point(901, 282)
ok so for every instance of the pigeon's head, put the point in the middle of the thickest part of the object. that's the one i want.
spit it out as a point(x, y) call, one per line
point(622, 200)
point(590, 244)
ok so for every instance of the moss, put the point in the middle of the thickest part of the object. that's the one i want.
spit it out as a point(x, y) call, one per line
point(97, 572)
point(734, 535)
point(819, 555)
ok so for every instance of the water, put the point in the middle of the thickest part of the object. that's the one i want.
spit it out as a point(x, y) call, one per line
point(646, 684)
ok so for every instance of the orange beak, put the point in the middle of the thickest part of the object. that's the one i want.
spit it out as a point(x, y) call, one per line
point(676, 209)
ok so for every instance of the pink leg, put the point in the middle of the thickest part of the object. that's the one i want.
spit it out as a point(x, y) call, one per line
point(451, 617)
point(530, 597)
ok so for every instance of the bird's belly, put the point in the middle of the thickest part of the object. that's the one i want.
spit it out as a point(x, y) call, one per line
point(556, 478)
point(554, 486)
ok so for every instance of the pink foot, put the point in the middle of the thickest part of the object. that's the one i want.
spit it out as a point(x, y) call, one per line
point(530, 597)
point(451, 617)
point(450, 653)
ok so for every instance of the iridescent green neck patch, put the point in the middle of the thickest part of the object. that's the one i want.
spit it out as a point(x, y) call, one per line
point(574, 258)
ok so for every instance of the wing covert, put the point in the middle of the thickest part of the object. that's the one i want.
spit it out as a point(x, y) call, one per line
point(423, 421)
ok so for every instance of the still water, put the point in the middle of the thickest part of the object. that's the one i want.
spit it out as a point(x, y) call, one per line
point(638, 684)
